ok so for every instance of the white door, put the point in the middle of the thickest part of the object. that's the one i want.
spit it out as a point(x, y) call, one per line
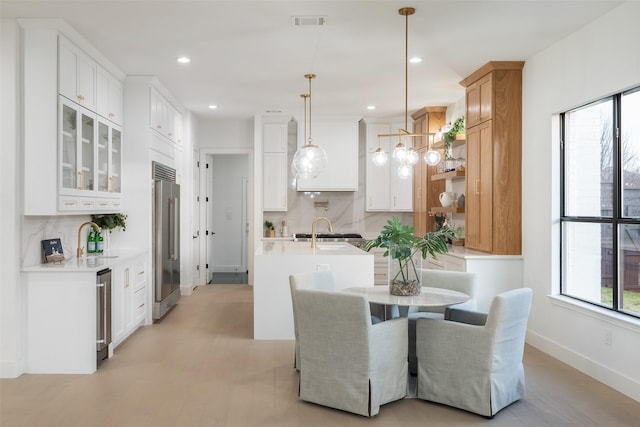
point(227, 230)
point(195, 220)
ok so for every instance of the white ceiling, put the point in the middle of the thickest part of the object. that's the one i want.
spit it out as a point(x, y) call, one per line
point(247, 58)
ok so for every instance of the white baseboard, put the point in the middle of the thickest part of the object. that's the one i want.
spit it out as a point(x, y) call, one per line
point(10, 369)
point(602, 373)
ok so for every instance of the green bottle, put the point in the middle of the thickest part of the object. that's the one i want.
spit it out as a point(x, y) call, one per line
point(99, 243)
point(91, 242)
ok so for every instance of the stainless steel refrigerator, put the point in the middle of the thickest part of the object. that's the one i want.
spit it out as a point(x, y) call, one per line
point(166, 240)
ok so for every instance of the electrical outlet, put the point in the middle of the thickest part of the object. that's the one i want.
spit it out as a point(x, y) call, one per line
point(322, 267)
point(608, 336)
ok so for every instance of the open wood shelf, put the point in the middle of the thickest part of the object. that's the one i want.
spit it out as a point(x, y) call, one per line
point(448, 175)
point(449, 209)
point(461, 139)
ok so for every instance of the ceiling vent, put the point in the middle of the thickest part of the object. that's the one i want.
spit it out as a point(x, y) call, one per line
point(305, 21)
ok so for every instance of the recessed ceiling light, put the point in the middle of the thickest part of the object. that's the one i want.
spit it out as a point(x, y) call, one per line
point(371, 107)
point(415, 60)
point(213, 107)
point(183, 60)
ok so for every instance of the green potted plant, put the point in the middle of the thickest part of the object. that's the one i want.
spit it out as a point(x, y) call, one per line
point(110, 221)
point(405, 250)
point(450, 135)
point(107, 222)
point(270, 231)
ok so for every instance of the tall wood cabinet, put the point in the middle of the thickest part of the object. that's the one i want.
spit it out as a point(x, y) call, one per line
point(425, 192)
point(494, 158)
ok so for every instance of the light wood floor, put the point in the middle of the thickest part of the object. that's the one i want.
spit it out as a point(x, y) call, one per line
point(200, 367)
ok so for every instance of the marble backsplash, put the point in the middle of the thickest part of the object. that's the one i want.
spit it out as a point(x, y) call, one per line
point(38, 228)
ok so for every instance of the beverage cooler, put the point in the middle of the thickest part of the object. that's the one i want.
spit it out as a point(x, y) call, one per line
point(103, 315)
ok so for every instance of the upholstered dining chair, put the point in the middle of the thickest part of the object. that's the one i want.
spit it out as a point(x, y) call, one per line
point(475, 365)
point(347, 362)
point(452, 280)
point(321, 280)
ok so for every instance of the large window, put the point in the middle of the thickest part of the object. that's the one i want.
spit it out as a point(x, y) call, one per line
point(600, 206)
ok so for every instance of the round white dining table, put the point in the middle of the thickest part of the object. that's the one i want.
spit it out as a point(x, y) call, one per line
point(428, 297)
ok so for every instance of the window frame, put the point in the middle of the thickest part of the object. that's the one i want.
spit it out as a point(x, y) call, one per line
point(617, 220)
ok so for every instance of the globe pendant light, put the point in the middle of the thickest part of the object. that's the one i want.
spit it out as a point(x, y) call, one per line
point(412, 156)
point(400, 152)
point(406, 156)
point(432, 157)
point(404, 170)
point(310, 159)
point(379, 157)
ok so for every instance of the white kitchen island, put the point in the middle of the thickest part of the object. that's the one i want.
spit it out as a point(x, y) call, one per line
point(276, 260)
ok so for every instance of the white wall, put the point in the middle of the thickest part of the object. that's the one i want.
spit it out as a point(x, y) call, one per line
point(225, 133)
point(600, 59)
point(11, 309)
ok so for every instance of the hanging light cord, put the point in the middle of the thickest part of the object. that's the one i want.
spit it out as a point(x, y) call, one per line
point(406, 12)
point(305, 96)
point(309, 76)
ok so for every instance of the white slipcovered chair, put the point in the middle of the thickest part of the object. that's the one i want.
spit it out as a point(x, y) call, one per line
point(452, 280)
point(475, 365)
point(347, 362)
point(321, 280)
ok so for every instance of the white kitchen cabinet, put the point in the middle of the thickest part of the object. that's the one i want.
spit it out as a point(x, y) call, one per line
point(90, 161)
point(384, 190)
point(77, 74)
point(339, 139)
point(109, 96)
point(61, 323)
point(77, 145)
point(274, 163)
point(274, 182)
point(164, 117)
point(494, 273)
point(129, 306)
point(109, 163)
point(380, 266)
point(61, 124)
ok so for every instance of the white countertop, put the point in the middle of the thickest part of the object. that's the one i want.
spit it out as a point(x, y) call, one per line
point(464, 253)
point(88, 262)
point(282, 247)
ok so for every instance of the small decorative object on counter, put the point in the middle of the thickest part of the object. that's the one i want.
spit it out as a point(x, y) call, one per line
point(99, 243)
point(52, 251)
point(459, 241)
point(269, 230)
point(91, 242)
point(405, 249)
point(461, 201)
point(284, 231)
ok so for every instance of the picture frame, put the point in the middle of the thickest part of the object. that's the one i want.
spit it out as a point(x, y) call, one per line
point(52, 251)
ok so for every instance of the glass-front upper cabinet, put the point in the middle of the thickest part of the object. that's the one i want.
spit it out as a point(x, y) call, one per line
point(109, 149)
point(116, 160)
point(77, 145)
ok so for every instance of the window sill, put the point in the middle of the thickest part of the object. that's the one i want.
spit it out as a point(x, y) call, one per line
point(617, 319)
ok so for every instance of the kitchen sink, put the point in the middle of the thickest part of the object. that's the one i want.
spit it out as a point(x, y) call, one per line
point(103, 256)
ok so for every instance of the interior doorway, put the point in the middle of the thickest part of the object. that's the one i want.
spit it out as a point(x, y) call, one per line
point(227, 228)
